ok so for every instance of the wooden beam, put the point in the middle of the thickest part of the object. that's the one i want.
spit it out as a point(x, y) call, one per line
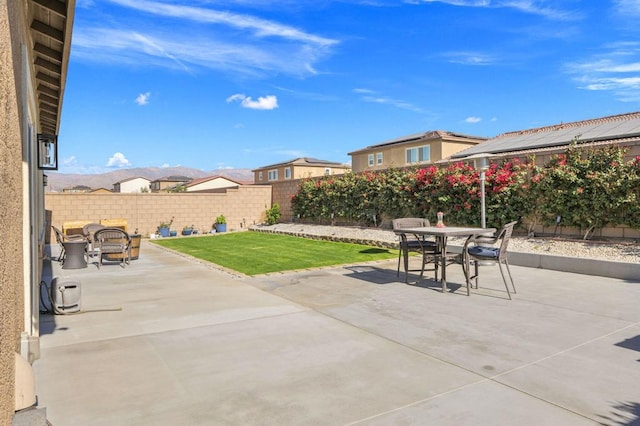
point(47, 116)
point(54, 81)
point(48, 52)
point(47, 31)
point(48, 99)
point(56, 6)
point(48, 65)
point(49, 108)
point(48, 90)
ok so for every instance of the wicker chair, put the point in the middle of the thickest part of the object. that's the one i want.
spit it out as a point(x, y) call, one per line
point(61, 238)
point(409, 243)
point(88, 231)
point(479, 248)
point(112, 241)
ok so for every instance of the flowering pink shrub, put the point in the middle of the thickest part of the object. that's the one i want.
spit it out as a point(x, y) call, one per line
point(587, 188)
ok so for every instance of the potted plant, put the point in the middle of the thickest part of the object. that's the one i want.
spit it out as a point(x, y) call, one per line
point(220, 224)
point(164, 229)
point(187, 230)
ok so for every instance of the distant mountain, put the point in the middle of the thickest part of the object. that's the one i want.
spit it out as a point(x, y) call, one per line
point(58, 181)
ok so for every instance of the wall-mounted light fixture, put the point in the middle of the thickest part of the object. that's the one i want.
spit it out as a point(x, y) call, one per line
point(47, 152)
point(481, 162)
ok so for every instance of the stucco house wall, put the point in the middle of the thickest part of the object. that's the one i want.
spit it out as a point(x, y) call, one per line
point(394, 153)
point(215, 183)
point(12, 36)
point(132, 185)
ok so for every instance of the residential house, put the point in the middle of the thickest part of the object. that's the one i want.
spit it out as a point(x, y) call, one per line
point(621, 130)
point(168, 182)
point(101, 191)
point(412, 150)
point(77, 189)
point(132, 185)
point(211, 182)
point(298, 168)
point(35, 41)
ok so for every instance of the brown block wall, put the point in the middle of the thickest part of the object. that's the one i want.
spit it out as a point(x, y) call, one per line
point(281, 195)
point(242, 206)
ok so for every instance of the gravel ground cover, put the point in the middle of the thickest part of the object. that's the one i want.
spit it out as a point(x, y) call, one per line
point(614, 251)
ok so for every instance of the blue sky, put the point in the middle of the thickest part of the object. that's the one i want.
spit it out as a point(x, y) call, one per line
point(215, 84)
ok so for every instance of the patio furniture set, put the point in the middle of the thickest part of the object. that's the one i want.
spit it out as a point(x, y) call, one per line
point(482, 246)
point(107, 243)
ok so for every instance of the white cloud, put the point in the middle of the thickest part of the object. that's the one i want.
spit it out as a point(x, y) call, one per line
point(268, 102)
point(260, 27)
point(628, 7)
point(143, 98)
point(118, 160)
point(472, 120)
point(533, 7)
point(617, 70)
point(370, 96)
point(470, 58)
point(69, 161)
point(362, 90)
point(209, 38)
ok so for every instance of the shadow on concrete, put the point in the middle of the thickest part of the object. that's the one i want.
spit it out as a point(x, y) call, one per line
point(625, 413)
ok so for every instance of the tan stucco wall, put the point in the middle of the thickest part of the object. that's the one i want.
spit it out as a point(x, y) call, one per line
point(395, 156)
point(298, 171)
point(11, 278)
point(242, 206)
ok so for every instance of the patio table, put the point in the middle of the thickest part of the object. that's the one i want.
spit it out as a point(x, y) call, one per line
point(442, 234)
point(75, 254)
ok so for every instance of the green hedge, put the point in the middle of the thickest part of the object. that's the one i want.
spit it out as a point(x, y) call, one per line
point(588, 188)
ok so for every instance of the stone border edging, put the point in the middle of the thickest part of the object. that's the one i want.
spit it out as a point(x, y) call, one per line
point(602, 268)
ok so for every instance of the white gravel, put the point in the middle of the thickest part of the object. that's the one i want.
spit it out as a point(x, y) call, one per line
point(619, 252)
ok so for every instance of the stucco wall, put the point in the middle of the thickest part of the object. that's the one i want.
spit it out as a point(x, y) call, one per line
point(11, 278)
point(242, 206)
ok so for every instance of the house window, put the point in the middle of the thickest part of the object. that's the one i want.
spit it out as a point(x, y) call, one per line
point(260, 176)
point(287, 173)
point(273, 175)
point(419, 154)
point(379, 158)
point(327, 171)
point(370, 160)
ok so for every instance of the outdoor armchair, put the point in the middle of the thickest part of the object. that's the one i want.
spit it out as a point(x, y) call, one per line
point(88, 231)
point(61, 238)
point(410, 243)
point(480, 248)
point(112, 240)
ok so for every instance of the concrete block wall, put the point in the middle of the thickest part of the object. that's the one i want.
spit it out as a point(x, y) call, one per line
point(281, 195)
point(242, 206)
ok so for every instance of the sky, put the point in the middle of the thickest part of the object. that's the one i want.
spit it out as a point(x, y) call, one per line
point(221, 84)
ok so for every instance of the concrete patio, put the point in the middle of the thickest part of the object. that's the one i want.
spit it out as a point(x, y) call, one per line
point(194, 345)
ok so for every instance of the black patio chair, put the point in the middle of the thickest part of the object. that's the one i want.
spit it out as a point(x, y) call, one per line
point(480, 248)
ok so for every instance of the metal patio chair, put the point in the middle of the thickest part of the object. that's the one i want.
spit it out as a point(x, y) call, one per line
point(410, 243)
point(480, 248)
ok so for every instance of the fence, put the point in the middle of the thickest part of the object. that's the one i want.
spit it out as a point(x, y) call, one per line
point(242, 206)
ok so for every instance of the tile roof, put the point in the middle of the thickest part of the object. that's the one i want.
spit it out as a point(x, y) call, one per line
point(434, 134)
point(209, 178)
point(603, 129)
point(304, 161)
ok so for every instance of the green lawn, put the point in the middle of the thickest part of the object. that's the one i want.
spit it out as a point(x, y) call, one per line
point(254, 253)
